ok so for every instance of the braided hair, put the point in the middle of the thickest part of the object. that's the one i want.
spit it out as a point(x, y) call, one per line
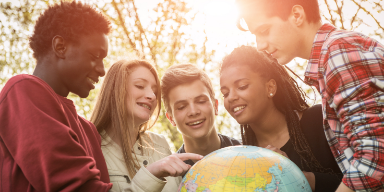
point(289, 98)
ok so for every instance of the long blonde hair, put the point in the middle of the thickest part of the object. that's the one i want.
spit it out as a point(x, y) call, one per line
point(111, 113)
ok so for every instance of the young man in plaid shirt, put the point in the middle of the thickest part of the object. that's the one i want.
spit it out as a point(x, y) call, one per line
point(346, 68)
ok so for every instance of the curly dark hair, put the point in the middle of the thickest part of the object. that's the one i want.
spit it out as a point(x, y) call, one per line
point(71, 20)
point(288, 98)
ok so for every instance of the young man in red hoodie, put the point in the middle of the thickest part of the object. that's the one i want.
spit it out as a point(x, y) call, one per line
point(44, 144)
point(346, 68)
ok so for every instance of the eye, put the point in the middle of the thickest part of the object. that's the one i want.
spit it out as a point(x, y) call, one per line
point(154, 91)
point(95, 56)
point(180, 108)
point(225, 93)
point(243, 87)
point(264, 32)
point(139, 86)
point(202, 101)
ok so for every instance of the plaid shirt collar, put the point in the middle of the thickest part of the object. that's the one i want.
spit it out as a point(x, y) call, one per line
point(311, 73)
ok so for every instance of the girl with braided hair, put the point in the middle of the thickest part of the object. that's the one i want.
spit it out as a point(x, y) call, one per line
point(272, 112)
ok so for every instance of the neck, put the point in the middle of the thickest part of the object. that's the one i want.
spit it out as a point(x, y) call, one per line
point(271, 130)
point(47, 71)
point(308, 34)
point(202, 146)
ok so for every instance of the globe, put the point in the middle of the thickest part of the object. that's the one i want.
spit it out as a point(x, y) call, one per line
point(244, 168)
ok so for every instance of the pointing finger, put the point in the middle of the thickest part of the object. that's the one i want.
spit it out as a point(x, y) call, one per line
point(186, 156)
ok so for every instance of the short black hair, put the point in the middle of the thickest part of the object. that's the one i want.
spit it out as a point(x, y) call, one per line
point(282, 8)
point(71, 20)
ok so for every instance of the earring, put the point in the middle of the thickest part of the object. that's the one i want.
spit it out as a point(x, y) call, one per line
point(271, 94)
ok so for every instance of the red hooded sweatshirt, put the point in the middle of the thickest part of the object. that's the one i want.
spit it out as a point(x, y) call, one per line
point(44, 144)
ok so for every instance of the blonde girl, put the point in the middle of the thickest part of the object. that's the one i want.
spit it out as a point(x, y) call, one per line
point(127, 106)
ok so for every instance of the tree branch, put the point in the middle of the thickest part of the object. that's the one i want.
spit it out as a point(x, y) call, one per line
point(333, 21)
point(133, 44)
point(142, 32)
point(354, 19)
point(369, 13)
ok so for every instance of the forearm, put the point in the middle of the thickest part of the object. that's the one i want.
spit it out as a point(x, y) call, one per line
point(343, 188)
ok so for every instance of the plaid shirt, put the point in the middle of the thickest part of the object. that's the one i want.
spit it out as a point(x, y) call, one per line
point(347, 68)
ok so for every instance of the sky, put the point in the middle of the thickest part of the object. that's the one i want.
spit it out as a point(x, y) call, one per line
point(218, 19)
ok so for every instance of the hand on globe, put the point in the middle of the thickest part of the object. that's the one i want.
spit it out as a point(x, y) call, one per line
point(311, 179)
point(172, 165)
point(277, 150)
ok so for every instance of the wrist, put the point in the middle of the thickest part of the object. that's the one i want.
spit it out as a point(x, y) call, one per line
point(154, 173)
point(311, 179)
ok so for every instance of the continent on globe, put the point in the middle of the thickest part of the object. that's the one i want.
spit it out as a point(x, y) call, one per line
point(244, 168)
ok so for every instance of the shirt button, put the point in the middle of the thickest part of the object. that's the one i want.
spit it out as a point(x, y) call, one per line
point(139, 148)
point(145, 162)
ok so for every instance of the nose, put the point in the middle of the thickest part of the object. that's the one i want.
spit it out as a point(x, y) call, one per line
point(194, 111)
point(150, 95)
point(261, 44)
point(232, 96)
point(100, 68)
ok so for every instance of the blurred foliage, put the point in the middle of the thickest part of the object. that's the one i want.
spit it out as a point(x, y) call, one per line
point(166, 39)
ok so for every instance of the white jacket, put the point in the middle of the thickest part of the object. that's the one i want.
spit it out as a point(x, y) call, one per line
point(143, 181)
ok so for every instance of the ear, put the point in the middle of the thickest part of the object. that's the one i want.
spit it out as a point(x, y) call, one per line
point(298, 15)
point(170, 118)
point(216, 107)
point(59, 46)
point(271, 88)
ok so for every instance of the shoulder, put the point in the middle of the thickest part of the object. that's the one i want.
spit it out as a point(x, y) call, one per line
point(112, 152)
point(312, 119)
point(23, 82)
point(26, 86)
point(89, 125)
point(314, 111)
point(229, 141)
point(340, 39)
point(181, 149)
point(158, 140)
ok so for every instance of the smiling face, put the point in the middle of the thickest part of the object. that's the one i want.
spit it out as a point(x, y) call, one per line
point(142, 94)
point(280, 38)
point(193, 110)
point(82, 65)
point(246, 94)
